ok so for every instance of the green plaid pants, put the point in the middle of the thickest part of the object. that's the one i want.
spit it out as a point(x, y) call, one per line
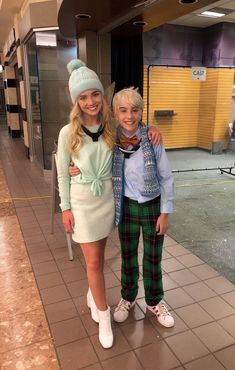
point(135, 217)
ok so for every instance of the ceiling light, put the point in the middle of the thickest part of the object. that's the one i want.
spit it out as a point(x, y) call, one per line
point(140, 23)
point(46, 39)
point(82, 16)
point(188, 2)
point(211, 14)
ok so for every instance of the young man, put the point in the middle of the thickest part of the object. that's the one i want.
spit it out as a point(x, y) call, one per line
point(143, 191)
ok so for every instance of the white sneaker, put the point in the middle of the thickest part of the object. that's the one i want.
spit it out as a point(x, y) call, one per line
point(162, 314)
point(121, 312)
point(91, 304)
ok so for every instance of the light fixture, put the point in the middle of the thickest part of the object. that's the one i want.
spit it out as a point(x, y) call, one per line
point(140, 23)
point(82, 16)
point(185, 2)
point(211, 14)
point(46, 39)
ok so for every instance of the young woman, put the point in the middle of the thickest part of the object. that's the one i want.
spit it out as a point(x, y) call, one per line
point(87, 200)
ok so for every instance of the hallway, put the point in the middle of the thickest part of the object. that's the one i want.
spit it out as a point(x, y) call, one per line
point(44, 321)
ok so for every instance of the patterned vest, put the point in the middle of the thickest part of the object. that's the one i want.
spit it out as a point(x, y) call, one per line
point(151, 184)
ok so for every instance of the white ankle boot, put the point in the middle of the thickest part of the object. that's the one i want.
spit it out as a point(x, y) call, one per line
point(91, 304)
point(105, 329)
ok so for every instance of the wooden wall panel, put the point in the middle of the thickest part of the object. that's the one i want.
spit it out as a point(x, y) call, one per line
point(203, 108)
point(172, 88)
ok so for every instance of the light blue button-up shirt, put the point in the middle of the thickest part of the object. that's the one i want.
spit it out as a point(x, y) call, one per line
point(134, 177)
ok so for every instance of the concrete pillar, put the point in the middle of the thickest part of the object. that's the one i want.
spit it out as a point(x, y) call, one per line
point(12, 107)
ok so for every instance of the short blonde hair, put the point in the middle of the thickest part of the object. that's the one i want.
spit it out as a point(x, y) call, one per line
point(130, 96)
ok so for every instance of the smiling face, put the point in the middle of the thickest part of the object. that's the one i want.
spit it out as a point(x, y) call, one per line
point(128, 117)
point(128, 109)
point(90, 103)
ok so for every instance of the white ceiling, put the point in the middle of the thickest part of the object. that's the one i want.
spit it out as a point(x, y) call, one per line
point(8, 8)
point(194, 20)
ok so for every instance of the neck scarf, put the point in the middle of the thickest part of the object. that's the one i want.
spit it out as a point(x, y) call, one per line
point(94, 135)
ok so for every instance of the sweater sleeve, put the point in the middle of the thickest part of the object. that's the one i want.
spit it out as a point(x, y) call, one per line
point(165, 178)
point(63, 160)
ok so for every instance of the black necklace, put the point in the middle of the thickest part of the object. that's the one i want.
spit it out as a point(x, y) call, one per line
point(94, 135)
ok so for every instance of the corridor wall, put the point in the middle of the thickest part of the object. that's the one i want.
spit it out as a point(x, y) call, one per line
point(202, 109)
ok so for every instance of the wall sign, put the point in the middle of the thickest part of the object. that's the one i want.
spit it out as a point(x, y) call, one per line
point(199, 73)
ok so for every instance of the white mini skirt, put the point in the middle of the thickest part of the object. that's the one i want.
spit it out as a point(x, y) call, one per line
point(93, 215)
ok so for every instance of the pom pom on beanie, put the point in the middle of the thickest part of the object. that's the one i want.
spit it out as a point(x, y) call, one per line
point(74, 64)
point(81, 79)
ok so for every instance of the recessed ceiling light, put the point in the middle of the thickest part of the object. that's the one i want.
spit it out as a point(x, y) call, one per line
point(211, 14)
point(82, 16)
point(185, 2)
point(140, 23)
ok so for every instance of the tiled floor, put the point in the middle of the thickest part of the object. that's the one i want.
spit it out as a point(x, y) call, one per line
point(44, 321)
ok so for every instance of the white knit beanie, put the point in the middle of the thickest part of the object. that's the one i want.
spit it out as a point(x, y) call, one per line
point(82, 78)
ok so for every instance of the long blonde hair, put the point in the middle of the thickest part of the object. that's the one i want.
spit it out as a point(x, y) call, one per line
point(76, 138)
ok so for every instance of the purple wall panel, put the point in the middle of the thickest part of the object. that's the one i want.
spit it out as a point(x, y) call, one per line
point(190, 46)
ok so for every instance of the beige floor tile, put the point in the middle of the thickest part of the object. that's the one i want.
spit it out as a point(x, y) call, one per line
point(74, 274)
point(214, 336)
point(157, 356)
point(126, 361)
point(204, 271)
point(190, 260)
point(230, 298)
point(220, 285)
point(140, 333)
point(169, 241)
point(114, 263)
point(168, 283)
point(120, 345)
point(111, 280)
point(77, 354)
point(171, 264)
point(45, 268)
point(60, 311)
point(91, 327)
point(193, 315)
point(183, 277)
point(54, 294)
point(94, 367)
point(208, 363)
point(177, 298)
point(187, 346)
point(68, 331)
point(228, 323)
point(165, 254)
point(227, 357)
point(176, 250)
point(217, 307)
point(78, 288)
point(199, 291)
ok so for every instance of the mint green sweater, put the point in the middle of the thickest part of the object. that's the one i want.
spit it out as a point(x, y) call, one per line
point(94, 160)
